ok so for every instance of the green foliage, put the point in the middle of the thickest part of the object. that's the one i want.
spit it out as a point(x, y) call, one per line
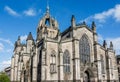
point(4, 77)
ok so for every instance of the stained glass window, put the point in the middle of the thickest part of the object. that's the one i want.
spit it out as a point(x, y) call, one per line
point(84, 49)
point(53, 62)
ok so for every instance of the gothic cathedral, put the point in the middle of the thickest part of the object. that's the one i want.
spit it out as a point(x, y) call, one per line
point(71, 56)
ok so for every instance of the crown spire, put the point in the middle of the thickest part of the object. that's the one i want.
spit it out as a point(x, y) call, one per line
point(47, 9)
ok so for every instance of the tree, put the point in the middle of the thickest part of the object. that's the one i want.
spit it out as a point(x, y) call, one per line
point(4, 77)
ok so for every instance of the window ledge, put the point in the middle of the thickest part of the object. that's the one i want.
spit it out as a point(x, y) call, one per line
point(53, 72)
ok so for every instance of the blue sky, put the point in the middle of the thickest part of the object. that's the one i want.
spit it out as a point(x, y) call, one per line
point(19, 17)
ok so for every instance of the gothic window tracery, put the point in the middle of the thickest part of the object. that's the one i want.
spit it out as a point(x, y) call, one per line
point(84, 49)
point(66, 62)
point(53, 62)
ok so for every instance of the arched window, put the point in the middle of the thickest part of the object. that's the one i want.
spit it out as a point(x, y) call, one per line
point(66, 62)
point(53, 62)
point(84, 49)
point(47, 22)
point(102, 64)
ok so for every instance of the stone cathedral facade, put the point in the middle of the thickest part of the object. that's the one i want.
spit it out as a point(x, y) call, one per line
point(71, 56)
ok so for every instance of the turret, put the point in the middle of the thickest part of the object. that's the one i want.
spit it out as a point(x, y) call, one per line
point(17, 43)
point(111, 45)
point(73, 21)
point(105, 44)
point(59, 35)
point(30, 41)
point(94, 31)
point(84, 23)
point(29, 37)
point(93, 27)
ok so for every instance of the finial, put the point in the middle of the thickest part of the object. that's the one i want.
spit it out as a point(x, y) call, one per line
point(84, 23)
point(73, 21)
point(29, 37)
point(29, 32)
point(104, 44)
point(73, 18)
point(93, 26)
point(18, 37)
point(18, 42)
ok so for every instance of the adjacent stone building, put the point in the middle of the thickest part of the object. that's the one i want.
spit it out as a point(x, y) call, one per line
point(71, 56)
point(118, 64)
point(7, 70)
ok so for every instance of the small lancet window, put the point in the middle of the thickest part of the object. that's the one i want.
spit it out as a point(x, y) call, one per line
point(66, 62)
point(53, 62)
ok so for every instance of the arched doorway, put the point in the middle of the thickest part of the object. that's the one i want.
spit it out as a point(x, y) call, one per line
point(86, 77)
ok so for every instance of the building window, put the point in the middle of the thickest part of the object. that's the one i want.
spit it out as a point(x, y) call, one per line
point(84, 49)
point(66, 62)
point(102, 64)
point(53, 62)
point(111, 66)
point(43, 58)
point(118, 70)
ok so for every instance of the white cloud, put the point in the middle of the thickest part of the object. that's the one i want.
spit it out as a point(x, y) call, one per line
point(4, 64)
point(116, 44)
point(11, 11)
point(7, 41)
point(117, 12)
point(1, 47)
point(8, 62)
point(23, 38)
point(110, 13)
point(102, 16)
point(9, 50)
point(113, 12)
point(30, 12)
